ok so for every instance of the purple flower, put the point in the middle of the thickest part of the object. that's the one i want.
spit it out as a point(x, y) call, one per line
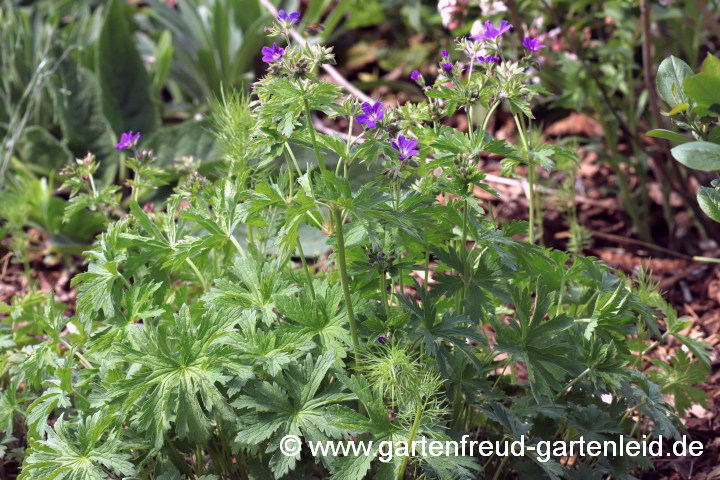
point(288, 19)
point(406, 148)
point(533, 44)
point(491, 32)
point(489, 59)
point(447, 67)
point(444, 53)
point(415, 75)
point(272, 54)
point(381, 340)
point(127, 140)
point(372, 114)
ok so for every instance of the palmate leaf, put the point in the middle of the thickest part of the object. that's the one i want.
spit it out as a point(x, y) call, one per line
point(292, 405)
point(537, 342)
point(42, 407)
point(256, 284)
point(137, 304)
point(98, 287)
point(678, 378)
point(10, 408)
point(648, 399)
point(87, 450)
point(271, 350)
point(323, 320)
point(439, 332)
point(179, 365)
point(218, 211)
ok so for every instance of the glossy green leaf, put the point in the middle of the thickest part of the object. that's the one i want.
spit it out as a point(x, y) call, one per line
point(703, 89)
point(673, 137)
point(670, 80)
point(698, 155)
point(709, 200)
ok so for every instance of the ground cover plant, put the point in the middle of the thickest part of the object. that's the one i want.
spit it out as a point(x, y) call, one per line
point(202, 333)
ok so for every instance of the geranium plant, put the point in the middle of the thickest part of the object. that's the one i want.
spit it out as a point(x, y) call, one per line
point(197, 346)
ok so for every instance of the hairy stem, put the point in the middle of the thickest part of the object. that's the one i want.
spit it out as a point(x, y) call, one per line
point(531, 180)
point(311, 128)
point(411, 439)
point(337, 213)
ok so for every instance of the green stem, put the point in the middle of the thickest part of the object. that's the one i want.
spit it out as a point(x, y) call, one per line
point(427, 269)
point(79, 355)
point(92, 186)
point(311, 128)
point(136, 187)
point(500, 467)
point(489, 114)
point(237, 245)
point(466, 285)
point(344, 276)
point(306, 268)
point(122, 169)
point(411, 438)
point(383, 291)
point(198, 273)
point(706, 259)
point(125, 280)
point(401, 281)
point(573, 382)
point(199, 463)
point(531, 180)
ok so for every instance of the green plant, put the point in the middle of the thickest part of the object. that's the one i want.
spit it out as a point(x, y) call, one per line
point(194, 350)
point(693, 100)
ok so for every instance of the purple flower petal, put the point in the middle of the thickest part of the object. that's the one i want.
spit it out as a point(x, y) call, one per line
point(533, 44)
point(415, 75)
point(372, 114)
point(127, 140)
point(444, 53)
point(272, 54)
point(491, 32)
point(405, 147)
